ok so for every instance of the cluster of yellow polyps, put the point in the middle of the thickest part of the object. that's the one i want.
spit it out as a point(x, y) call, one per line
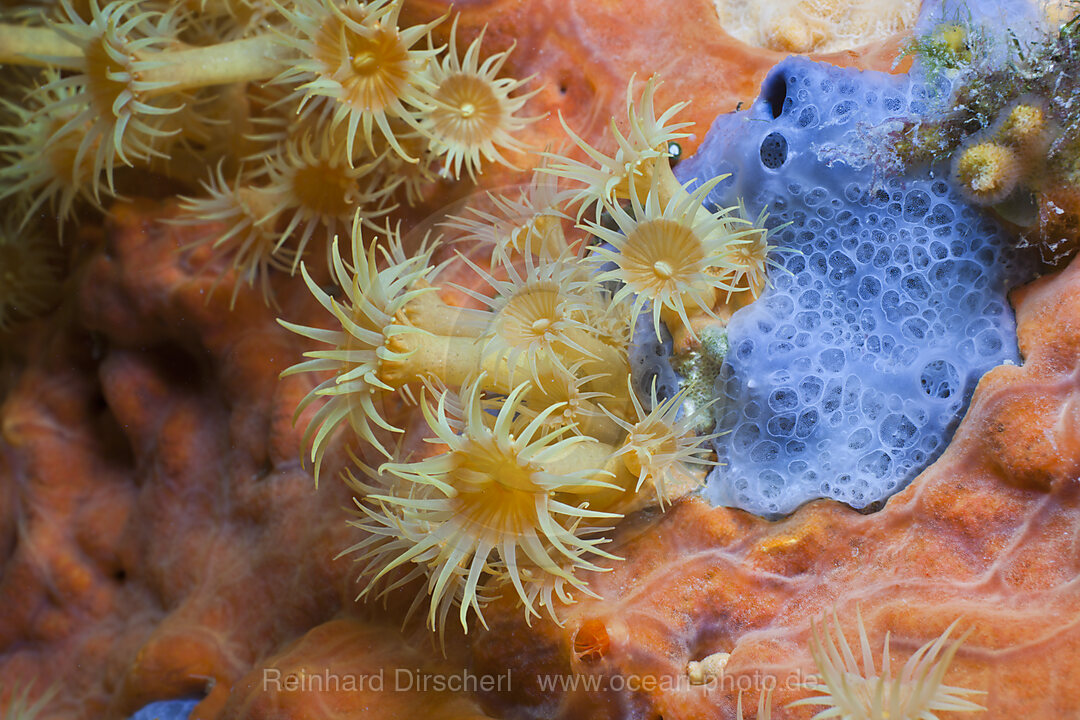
point(1012, 152)
point(297, 118)
point(306, 121)
point(541, 443)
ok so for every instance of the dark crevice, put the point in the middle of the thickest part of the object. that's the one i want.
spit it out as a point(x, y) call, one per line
point(113, 442)
point(178, 367)
point(774, 93)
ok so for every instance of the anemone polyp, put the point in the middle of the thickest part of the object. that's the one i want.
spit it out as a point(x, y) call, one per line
point(529, 223)
point(358, 68)
point(115, 113)
point(368, 319)
point(28, 276)
point(250, 240)
point(581, 411)
point(987, 171)
point(543, 312)
point(48, 165)
point(492, 504)
point(473, 113)
point(214, 20)
point(662, 448)
point(850, 691)
point(416, 179)
point(638, 150)
point(322, 190)
point(748, 259)
point(669, 256)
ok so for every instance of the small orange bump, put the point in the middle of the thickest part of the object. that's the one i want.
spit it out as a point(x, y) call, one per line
point(591, 642)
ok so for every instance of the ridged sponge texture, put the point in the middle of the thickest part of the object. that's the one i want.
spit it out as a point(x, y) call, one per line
point(848, 376)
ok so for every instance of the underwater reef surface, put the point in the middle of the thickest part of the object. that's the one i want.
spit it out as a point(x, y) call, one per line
point(161, 538)
point(159, 535)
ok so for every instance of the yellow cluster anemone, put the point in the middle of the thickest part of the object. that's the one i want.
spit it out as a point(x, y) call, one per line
point(368, 321)
point(662, 448)
point(543, 314)
point(116, 114)
point(502, 496)
point(45, 166)
point(849, 690)
point(530, 223)
point(541, 444)
point(318, 190)
point(751, 257)
point(670, 255)
point(535, 423)
point(29, 275)
point(581, 408)
point(473, 113)
point(641, 153)
point(251, 240)
point(357, 68)
point(384, 531)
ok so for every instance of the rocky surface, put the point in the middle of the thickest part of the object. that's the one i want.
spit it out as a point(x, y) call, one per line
point(160, 537)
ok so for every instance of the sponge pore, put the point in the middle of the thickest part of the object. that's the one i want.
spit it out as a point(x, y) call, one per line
point(848, 376)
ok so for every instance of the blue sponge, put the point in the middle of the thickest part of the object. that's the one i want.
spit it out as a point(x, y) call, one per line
point(848, 376)
point(166, 710)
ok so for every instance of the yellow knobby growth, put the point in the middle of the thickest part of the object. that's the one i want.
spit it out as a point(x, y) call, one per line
point(1024, 124)
point(987, 172)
